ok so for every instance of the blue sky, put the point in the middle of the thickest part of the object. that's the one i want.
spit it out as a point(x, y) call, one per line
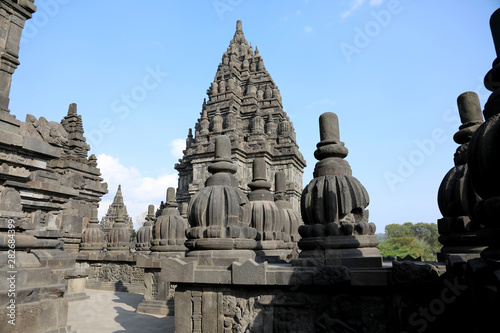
point(391, 70)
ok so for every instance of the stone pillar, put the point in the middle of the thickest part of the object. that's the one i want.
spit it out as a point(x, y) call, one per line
point(93, 238)
point(13, 14)
point(292, 218)
point(456, 198)
point(333, 205)
point(119, 235)
point(483, 275)
point(145, 233)
point(267, 218)
point(169, 231)
point(220, 215)
point(169, 235)
point(483, 157)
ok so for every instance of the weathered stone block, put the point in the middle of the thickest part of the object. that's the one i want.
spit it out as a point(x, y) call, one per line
point(249, 272)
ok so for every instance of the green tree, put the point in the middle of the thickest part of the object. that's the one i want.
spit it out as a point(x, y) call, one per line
point(416, 240)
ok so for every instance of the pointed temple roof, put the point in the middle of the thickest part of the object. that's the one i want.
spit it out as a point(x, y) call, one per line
point(112, 214)
point(245, 104)
point(76, 148)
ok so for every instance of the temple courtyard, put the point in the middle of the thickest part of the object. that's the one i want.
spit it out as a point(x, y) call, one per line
point(114, 311)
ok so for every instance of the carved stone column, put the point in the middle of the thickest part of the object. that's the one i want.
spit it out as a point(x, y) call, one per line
point(484, 157)
point(13, 14)
point(119, 236)
point(169, 231)
point(220, 216)
point(267, 218)
point(293, 219)
point(145, 233)
point(456, 198)
point(336, 230)
point(93, 238)
point(169, 235)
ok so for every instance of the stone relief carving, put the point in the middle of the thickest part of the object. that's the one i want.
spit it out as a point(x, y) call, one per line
point(50, 132)
point(116, 272)
point(239, 314)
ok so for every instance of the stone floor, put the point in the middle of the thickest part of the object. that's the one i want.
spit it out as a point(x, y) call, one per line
point(112, 312)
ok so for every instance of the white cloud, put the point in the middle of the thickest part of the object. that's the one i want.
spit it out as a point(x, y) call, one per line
point(374, 3)
point(138, 191)
point(308, 29)
point(355, 4)
point(177, 146)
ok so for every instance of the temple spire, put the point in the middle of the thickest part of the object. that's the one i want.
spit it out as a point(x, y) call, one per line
point(111, 215)
point(118, 196)
point(244, 104)
point(76, 148)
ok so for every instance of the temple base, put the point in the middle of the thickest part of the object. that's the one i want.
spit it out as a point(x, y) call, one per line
point(368, 257)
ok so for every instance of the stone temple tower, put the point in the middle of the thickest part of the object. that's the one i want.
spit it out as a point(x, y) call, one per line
point(244, 104)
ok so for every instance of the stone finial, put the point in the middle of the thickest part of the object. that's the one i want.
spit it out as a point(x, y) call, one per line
point(267, 218)
point(170, 195)
point(495, 30)
point(222, 169)
point(483, 161)
point(169, 232)
point(334, 204)
point(112, 213)
point(329, 128)
point(93, 216)
point(145, 233)
point(259, 170)
point(119, 235)
point(330, 150)
point(260, 186)
point(456, 199)
point(151, 213)
point(292, 217)
point(491, 80)
point(118, 196)
point(93, 238)
point(330, 144)
point(207, 218)
point(239, 26)
point(72, 109)
point(471, 117)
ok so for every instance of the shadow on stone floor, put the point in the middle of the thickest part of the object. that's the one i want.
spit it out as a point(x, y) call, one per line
point(130, 299)
point(138, 322)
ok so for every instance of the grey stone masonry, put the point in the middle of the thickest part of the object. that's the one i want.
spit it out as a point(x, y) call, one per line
point(267, 218)
point(13, 14)
point(456, 198)
point(119, 236)
point(220, 215)
point(93, 238)
point(244, 104)
point(145, 233)
point(48, 189)
point(336, 230)
point(293, 219)
point(484, 161)
point(169, 230)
